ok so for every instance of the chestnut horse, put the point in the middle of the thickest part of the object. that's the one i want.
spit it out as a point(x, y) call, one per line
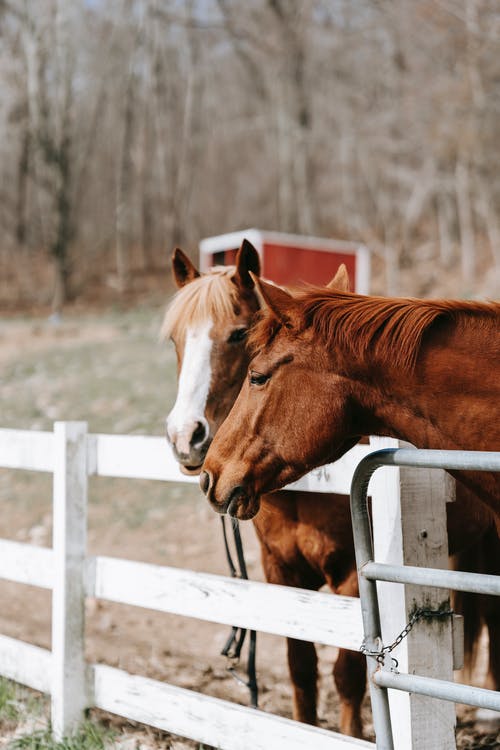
point(330, 367)
point(305, 538)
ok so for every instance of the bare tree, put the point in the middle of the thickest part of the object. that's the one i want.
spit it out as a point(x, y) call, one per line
point(50, 103)
point(132, 125)
point(125, 169)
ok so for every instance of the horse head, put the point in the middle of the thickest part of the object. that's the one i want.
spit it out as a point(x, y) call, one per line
point(208, 320)
point(278, 428)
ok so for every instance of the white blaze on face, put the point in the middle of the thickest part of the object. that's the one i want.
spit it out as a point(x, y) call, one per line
point(192, 388)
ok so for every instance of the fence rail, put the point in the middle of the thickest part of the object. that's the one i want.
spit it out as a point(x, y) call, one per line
point(212, 721)
point(72, 455)
point(382, 676)
point(22, 662)
point(24, 563)
point(297, 613)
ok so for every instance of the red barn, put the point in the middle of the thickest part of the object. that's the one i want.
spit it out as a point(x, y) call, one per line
point(292, 258)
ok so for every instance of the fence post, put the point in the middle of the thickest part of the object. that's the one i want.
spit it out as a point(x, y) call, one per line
point(409, 528)
point(69, 685)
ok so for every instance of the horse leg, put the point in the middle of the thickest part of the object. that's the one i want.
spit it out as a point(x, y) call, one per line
point(491, 609)
point(349, 673)
point(302, 658)
point(492, 617)
point(303, 666)
point(490, 605)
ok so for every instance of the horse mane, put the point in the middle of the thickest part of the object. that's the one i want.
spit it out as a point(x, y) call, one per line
point(212, 295)
point(391, 329)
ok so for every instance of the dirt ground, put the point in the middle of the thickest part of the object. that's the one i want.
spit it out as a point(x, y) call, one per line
point(110, 370)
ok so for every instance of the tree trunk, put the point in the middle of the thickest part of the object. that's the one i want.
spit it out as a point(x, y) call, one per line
point(123, 190)
point(191, 138)
point(22, 188)
point(60, 246)
point(443, 223)
point(465, 220)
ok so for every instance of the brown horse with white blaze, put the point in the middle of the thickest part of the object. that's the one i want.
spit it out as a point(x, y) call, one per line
point(208, 321)
point(305, 538)
point(330, 367)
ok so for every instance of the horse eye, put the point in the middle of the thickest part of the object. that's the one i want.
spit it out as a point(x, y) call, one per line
point(257, 378)
point(237, 335)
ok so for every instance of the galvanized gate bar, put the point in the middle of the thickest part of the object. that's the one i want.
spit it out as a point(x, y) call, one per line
point(368, 596)
point(439, 459)
point(458, 580)
point(443, 689)
point(429, 459)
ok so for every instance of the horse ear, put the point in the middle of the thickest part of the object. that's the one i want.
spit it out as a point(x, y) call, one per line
point(182, 268)
point(278, 301)
point(247, 260)
point(340, 281)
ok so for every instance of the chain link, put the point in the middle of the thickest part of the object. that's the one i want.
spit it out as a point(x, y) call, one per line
point(422, 613)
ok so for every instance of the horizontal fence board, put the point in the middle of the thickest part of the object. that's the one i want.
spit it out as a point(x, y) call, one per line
point(308, 615)
point(25, 563)
point(134, 456)
point(207, 720)
point(26, 449)
point(334, 477)
point(24, 663)
point(146, 457)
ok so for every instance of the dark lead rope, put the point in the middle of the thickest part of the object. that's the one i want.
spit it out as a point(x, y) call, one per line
point(234, 643)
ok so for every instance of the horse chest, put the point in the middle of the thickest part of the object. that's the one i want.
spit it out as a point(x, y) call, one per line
point(310, 536)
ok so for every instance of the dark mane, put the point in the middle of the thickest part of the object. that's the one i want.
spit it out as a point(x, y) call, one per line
point(389, 328)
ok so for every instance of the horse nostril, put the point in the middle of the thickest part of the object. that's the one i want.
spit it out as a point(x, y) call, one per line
point(237, 496)
point(199, 434)
point(205, 482)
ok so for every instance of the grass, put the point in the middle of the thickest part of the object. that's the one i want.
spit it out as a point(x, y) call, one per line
point(90, 736)
point(10, 707)
point(24, 725)
point(108, 369)
point(17, 705)
point(111, 371)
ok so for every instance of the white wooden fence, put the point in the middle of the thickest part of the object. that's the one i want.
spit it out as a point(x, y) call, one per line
point(71, 454)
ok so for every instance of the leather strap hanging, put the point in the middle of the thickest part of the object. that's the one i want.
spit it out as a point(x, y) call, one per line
point(234, 644)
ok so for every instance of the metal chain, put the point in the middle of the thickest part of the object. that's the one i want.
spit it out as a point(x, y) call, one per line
point(421, 613)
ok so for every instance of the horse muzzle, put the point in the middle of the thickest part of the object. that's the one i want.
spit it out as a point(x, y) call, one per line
point(189, 463)
point(190, 442)
point(188, 453)
point(237, 501)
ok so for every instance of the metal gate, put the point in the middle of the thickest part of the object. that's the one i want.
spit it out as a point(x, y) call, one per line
point(382, 675)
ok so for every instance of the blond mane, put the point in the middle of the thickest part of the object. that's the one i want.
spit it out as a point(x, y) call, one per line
point(212, 295)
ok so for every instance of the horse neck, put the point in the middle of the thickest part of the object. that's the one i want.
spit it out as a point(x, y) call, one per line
point(455, 378)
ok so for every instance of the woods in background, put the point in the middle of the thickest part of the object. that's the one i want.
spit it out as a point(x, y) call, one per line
point(130, 126)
